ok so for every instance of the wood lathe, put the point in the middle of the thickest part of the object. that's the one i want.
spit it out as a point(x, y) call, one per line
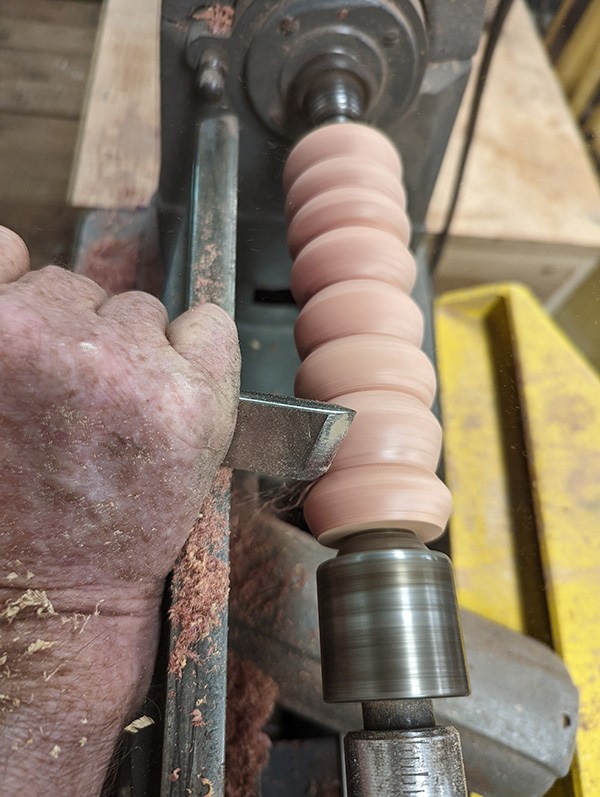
point(315, 129)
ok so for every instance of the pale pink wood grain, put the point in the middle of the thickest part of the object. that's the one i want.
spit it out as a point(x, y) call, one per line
point(341, 207)
point(374, 497)
point(389, 428)
point(351, 253)
point(366, 362)
point(327, 142)
point(346, 172)
point(359, 334)
point(354, 307)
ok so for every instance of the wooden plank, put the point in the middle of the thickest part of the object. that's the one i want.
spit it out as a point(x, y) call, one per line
point(35, 158)
point(45, 51)
point(63, 27)
point(118, 152)
point(528, 182)
point(552, 271)
point(42, 83)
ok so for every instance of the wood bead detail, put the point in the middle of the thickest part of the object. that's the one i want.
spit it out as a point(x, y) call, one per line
point(359, 333)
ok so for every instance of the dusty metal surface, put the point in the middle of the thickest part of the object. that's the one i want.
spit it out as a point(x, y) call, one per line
point(285, 437)
point(194, 746)
point(416, 763)
point(526, 553)
point(384, 45)
point(395, 715)
point(119, 250)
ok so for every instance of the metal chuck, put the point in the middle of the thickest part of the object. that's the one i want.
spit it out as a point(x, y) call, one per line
point(391, 639)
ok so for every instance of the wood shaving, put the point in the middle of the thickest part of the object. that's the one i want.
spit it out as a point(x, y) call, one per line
point(47, 676)
point(251, 696)
point(138, 724)
point(200, 585)
point(218, 19)
point(77, 620)
point(83, 741)
point(174, 776)
point(39, 644)
point(197, 718)
point(31, 598)
point(208, 783)
point(3, 658)
point(55, 752)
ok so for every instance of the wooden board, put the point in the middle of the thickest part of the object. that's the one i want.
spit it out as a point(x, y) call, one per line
point(63, 27)
point(42, 83)
point(528, 183)
point(45, 52)
point(36, 153)
point(118, 151)
point(35, 158)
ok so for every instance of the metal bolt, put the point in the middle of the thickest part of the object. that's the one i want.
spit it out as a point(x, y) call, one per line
point(211, 77)
point(391, 37)
point(288, 26)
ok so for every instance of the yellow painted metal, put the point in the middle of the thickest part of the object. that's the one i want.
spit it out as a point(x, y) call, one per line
point(522, 420)
point(580, 48)
point(474, 462)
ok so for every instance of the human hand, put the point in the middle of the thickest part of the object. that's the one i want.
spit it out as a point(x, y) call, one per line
point(112, 423)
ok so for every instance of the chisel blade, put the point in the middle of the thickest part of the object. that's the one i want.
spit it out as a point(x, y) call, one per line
point(285, 437)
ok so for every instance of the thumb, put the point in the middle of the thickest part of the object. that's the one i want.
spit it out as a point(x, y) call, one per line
point(14, 257)
point(207, 338)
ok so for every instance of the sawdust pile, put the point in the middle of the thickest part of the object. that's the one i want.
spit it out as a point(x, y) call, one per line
point(260, 587)
point(251, 696)
point(218, 19)
point(200, 585)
